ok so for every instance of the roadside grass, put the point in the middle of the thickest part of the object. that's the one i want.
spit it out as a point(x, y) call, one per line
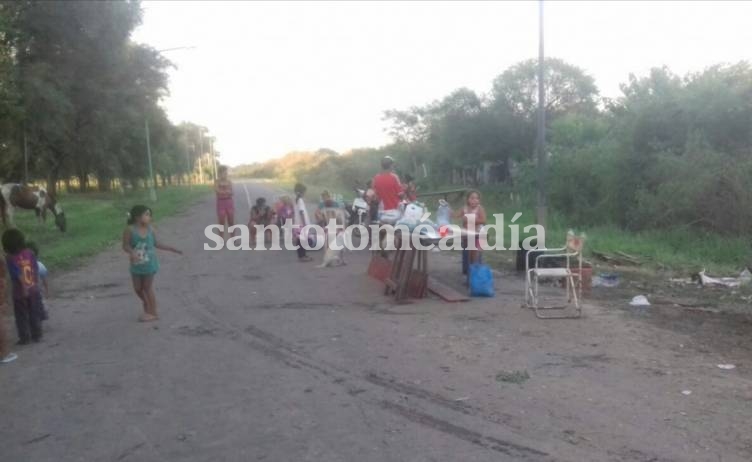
point(677, 250)
point(96, 221)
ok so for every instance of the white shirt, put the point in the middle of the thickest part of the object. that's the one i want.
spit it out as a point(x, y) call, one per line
point(301, 207)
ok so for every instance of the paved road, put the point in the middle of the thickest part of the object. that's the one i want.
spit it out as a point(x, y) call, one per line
point(259, 357)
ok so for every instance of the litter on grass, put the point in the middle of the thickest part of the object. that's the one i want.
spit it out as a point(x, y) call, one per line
point(640, 300)
point(744, 278)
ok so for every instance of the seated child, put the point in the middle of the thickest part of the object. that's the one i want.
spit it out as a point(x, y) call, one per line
point(326, 202)
point(284, 210)
point(261, 214)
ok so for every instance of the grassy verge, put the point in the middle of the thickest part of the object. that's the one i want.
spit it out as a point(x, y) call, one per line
point(677, 250)
point(96, 221)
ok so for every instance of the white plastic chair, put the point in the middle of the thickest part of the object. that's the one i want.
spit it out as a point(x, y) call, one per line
point(572, 276)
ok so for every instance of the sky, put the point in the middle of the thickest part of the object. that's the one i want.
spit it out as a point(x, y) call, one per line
point(270, 78)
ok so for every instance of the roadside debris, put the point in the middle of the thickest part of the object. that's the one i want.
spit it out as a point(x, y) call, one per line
point(745, 277)
point(727, 367)
point(606, 280)
point(517, 377)
point(686, 392)
point(640, 300)
point(682, 281)
point(620, 258)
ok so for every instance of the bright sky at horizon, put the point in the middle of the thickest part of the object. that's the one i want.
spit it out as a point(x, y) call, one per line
point(269, 78)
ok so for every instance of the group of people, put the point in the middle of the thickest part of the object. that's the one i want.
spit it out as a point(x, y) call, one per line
point(391, 192)
point(28, 282)
point(28, 276)
point(385, 194)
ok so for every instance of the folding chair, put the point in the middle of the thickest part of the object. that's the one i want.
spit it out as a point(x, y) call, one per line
point(572, 250)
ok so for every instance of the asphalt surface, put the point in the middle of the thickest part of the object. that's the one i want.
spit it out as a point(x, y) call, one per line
point(259, 357)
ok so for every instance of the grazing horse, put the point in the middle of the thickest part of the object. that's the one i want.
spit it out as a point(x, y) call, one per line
point(13, 196)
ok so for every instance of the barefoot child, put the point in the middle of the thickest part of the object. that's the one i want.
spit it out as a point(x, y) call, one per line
point(225, 205)
point(473, 218)
point(6, 356)
point(24, 278)
point(140, 243)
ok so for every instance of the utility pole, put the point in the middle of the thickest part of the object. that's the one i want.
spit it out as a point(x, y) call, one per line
point(200, 154)
point(188, 166)
point(214, 157)
point(152, 189)
point(26, 159)
point(541, 140)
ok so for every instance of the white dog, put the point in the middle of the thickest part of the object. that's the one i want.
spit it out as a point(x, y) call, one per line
point(334, 257)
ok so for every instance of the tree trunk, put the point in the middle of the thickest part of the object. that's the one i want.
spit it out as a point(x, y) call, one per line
point(104, 184)
point(52, 183)
point(83, 182)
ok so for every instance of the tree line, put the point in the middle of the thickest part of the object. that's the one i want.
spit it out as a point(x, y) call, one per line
point(669, 151)
point(76, 94)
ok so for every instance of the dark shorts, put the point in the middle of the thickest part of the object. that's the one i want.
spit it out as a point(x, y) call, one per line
point(28, 313)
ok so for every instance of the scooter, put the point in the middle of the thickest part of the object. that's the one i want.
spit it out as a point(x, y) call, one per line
point(358, 210)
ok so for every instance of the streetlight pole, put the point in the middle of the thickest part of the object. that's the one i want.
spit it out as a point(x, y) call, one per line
point(201, 154)
point(541, 139)
point(214, 157)
point(188, 166)
point(152, 187)
point(152, 180)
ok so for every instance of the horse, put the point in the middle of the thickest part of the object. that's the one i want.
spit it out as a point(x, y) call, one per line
point(13, 196)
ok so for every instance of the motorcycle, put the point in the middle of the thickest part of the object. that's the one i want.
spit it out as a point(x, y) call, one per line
point(358, 211)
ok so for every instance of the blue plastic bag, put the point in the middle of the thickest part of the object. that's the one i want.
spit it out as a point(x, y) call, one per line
point(481, 281)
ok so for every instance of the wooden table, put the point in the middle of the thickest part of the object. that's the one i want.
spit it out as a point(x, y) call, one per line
point(409, 274)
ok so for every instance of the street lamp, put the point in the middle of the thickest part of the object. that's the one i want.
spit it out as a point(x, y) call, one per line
point(153, 180)
point(214, 156)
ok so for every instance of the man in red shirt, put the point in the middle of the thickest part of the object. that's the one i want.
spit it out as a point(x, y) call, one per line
point(388, 186)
